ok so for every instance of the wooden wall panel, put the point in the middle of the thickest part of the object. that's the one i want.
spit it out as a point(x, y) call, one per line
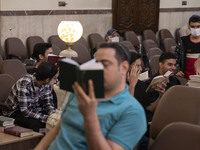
point(136, 15)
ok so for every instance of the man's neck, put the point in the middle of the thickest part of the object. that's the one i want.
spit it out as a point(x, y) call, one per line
point(39, 83)
point(161, 72)
point(113, 92)
point(195, 38)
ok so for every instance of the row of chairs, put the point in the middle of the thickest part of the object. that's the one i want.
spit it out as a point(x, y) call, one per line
point(11, 44)
point(179, 105)
point(14, 47)
point(177, 129)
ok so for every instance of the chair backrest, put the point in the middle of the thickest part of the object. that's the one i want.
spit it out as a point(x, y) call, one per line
point(83, 53)
point(162, 34)
point(154, 51)
point(13, 67)
point(15, 46)
point(169, 45)
point(154, 64)
point(2, 52)
point(148, 44)
point(30, 43)
point(182, 80)
point(132, 37)
point(83, 41)
point(178, 104)
point(129, 45)
point(178, 136)
point(55, 40)
point(149, 34)
point(93, 39)
point(6, 82)
point(56, 50)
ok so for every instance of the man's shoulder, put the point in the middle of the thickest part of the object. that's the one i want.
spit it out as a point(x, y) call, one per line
point(27, 79)
point(185, 38)
point(130, 103)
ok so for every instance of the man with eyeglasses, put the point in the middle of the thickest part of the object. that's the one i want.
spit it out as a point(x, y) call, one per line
point(189, 50)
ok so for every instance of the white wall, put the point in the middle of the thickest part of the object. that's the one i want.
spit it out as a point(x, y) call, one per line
point(53, 4)
point(81, 4)
point(178, 3)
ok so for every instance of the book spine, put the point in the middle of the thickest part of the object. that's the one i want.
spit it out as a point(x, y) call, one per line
point(15, 133)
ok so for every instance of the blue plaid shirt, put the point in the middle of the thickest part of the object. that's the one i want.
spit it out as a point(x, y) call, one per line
point(30, 99)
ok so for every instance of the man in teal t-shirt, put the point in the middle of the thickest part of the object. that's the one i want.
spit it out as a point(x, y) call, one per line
point(116, 122)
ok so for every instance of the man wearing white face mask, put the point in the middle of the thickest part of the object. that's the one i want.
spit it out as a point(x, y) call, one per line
point(189, 50)
point(112, 36)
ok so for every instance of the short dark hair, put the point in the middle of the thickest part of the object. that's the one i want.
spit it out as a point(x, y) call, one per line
point(45, 70)
point(121, 51)
point(40, 48)
point(194, 18)
point(134, 57)
point(166, 55)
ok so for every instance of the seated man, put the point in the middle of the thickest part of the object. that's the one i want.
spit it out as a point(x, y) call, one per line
point(137, 88)
point(40, 54)
point(112, 36)
point(31, 99)
point(167, 62)
point(115, 122)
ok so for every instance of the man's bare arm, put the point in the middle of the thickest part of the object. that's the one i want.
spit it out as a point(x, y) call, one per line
point(46, 141)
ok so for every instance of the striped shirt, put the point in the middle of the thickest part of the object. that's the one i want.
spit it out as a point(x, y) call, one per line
point(32, 100)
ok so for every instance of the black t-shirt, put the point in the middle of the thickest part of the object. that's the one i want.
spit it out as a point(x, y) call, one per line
point(172, 81)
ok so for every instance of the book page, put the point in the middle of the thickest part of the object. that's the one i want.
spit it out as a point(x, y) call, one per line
point(195, 78)
point(52, 55)
point(144, 76)
point(167, 74)
point(70, 61)
point(91, 65)
point(159, 79)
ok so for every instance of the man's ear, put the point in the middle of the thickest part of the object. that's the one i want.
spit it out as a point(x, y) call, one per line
point(124, 67)
point(160, 64)
point(41, 57)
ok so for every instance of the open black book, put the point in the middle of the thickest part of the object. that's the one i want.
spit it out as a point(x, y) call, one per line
point(70, 71)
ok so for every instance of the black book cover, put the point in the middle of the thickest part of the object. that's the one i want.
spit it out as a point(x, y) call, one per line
point(69, 73)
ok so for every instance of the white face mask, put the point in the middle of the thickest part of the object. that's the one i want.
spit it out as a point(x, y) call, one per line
point(114, 39)
point(195, 32)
